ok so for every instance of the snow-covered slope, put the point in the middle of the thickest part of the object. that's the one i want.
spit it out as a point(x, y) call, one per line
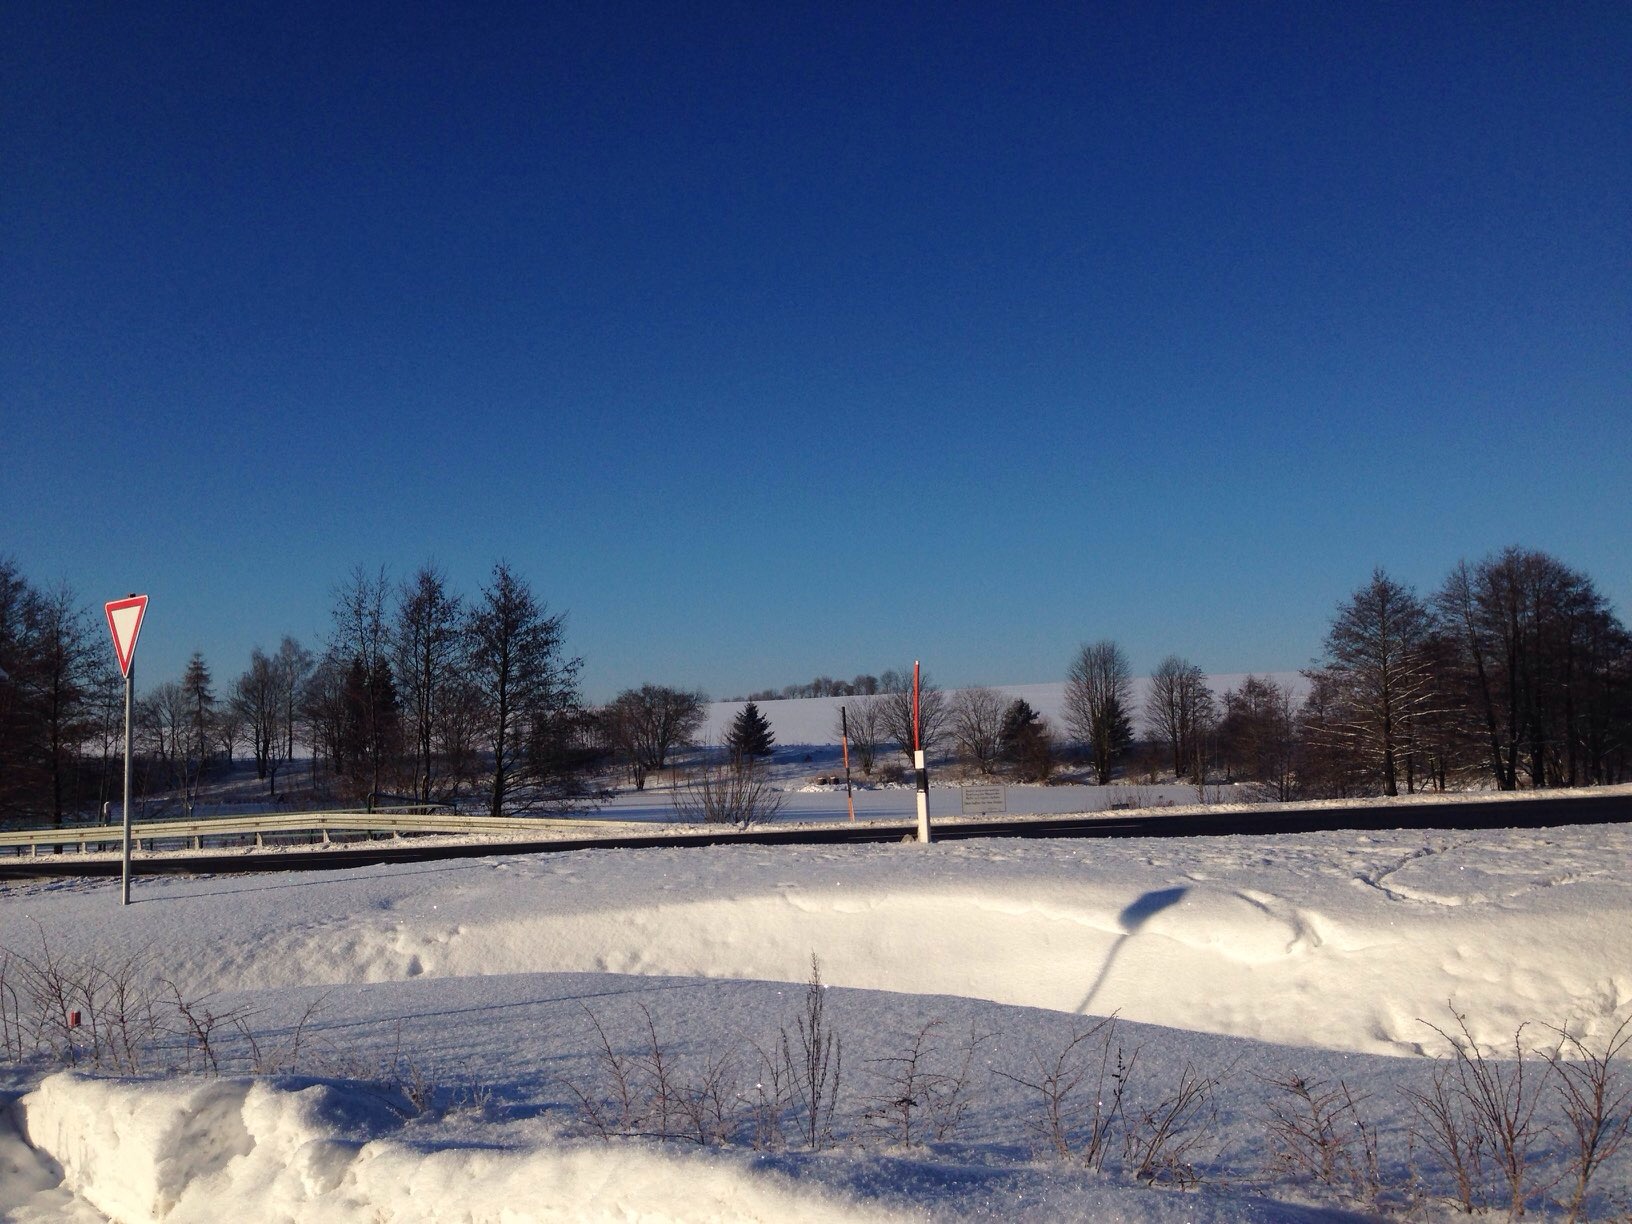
point(815, 720)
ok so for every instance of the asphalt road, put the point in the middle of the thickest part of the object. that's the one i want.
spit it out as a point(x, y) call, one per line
point(1486, 814)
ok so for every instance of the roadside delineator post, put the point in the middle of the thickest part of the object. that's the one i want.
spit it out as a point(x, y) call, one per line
point(844, 738)
point(920, 770)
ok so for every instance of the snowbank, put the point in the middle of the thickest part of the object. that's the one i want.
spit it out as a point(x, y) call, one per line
point(183, 1151)
point(1331, 954)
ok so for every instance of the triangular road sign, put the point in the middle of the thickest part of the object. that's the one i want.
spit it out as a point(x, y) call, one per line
point(125, 623)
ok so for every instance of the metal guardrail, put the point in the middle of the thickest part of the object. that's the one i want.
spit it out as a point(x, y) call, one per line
point(263, 823)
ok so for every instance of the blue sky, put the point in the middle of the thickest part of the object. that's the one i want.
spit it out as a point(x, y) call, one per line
point(775, 340)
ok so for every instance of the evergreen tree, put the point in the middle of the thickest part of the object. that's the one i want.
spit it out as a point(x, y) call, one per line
point(196, 687)
point(750, 734)
point(1024, 742)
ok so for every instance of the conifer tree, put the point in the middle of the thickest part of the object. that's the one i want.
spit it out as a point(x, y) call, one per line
point(195, 685)
point(750, 734)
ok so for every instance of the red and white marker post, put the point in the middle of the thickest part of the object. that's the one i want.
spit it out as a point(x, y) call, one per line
point(919, 769)
point(125, 623)
point(844, 738)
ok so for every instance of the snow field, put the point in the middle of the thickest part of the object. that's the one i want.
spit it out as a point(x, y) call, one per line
point(1320, 953)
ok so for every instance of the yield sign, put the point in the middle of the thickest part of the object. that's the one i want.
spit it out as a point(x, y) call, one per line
point(125, 623)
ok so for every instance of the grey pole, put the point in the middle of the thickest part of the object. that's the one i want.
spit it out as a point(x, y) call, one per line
point(124, 882)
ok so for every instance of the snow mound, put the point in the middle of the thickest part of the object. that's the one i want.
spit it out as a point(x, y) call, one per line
point(175, 1151)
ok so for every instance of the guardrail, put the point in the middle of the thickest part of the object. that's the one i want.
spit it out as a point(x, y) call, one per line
point(143, 833)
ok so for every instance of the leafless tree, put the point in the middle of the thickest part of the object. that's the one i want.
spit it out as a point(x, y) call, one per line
point(228, 728)
point(725, 788)
point(57, 688)
point(426, 643)
point(933, 712)
point(1540, 669)
point(517, 659)
point(1377, 660)
point(1098, 693)
point(645, 725)
point(294, 665)
point(1179, 712)
point(1258, 734)
point(458, 732)
point(323, 711)
point(863, 721)
point(165, 723)
point(257, 697)
point(977, 727)
point(360, 638)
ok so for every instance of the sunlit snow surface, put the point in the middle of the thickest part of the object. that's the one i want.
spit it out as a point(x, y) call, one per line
point(1328, 955)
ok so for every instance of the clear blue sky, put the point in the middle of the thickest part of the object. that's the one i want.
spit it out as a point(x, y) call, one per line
point(768, 340)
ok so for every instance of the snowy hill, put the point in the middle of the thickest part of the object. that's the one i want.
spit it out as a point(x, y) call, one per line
point(814, 721)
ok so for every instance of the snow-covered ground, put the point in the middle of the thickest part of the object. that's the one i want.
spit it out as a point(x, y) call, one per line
point(448, 1021)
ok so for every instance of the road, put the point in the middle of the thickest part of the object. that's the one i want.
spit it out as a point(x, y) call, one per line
point(1525, 813)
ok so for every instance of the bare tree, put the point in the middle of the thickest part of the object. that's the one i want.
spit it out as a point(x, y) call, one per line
point(321, 708)
point(645, 725)
point(977, 727)
point(228, 728)
point(258, 699)
point(1540, 669)
point(726, 788)
point(933, 714)
point(360, 640)
point(61, 688)
point(1376, 659)
point(294, 666)
point(1258, 734)
point(517, 660)
point(1098, 690)
point(458, 730)
point(166, 720)
point(863, 721)
point(426, 644)
point(1178, 712)
point(18, 602)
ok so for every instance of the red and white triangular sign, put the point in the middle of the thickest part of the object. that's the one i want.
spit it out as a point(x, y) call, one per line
point(125, 623)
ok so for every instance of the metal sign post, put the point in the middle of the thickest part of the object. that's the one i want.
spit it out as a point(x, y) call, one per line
point(124, 858)
point(125, 623)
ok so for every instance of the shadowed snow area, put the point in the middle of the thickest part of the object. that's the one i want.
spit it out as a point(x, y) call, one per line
point(1326, 950)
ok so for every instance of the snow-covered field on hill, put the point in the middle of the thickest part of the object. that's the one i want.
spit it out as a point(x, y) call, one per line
point(815, 720)
point(449, 1020)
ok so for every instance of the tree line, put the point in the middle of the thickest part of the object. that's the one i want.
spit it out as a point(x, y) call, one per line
point(1514, 673)
point(417, 694)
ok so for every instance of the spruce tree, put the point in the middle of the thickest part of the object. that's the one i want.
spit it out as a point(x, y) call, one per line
point(200, 707)
point(750, 734)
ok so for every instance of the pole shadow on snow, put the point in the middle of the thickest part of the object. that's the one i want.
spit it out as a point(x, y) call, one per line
point(1140, 911)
